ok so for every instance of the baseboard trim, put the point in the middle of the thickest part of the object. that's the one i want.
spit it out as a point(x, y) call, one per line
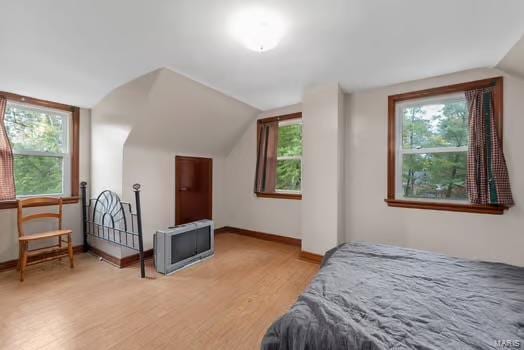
point(317, 258)
point(131, 259)
point(120, 262)
point(105, 256)
point(11, 264)
point(224, 229)
point(311, 257)
point(260, 235)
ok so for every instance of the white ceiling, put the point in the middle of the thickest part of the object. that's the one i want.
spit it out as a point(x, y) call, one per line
point(77, 51)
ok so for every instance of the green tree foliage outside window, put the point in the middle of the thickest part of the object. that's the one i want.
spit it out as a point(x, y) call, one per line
point(38, 141)
point(435, 175)
point(289, 158)
point(38, 175)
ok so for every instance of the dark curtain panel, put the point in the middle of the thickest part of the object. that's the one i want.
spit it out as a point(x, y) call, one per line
point(487, 178)
point(7, 180)
point(265, 175)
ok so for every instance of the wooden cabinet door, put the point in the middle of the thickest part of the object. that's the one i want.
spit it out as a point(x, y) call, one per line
point(194, 189)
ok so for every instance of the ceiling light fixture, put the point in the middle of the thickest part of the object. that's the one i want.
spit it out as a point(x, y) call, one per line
point(258, 29)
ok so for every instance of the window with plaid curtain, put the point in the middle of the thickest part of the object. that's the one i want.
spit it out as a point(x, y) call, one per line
point(487, 178)
point(7, 179)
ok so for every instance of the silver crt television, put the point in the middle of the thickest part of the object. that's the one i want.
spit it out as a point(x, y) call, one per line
point(181, 246)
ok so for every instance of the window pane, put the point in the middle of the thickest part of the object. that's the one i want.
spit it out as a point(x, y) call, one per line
point(435, 175)
point(290, 140)
point(442, 124)
point(38, 175)
point(35, 130)
point(289, 174)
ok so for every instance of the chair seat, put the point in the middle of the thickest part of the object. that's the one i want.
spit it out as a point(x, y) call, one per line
point(44, 235)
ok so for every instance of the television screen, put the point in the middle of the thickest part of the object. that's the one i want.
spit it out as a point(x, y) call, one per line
point(190, 243)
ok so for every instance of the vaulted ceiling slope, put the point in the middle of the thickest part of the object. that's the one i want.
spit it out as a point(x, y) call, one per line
point(183, 115)
point(513, 62)
point(78, 51)
point(166, 110)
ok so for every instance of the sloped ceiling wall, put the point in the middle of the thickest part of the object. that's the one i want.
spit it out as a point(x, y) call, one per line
point(111, 122)
point(182, 114)
point(162, 110)
point(513, 62)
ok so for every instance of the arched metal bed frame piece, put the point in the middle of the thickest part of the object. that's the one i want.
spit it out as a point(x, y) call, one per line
point(107, 218)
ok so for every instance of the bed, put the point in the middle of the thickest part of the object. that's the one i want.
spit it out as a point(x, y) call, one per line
point(106, 218)
point(369, 296)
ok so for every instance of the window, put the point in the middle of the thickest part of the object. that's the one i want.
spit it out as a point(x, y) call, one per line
point(279, 157)
point(432, 146)
point(40, 141)
point(44, 137)
point(428, 147)
point(289, 156)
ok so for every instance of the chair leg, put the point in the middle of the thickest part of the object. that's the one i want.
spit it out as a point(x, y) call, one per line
point(60, 246)
point(24, 261)
point(19, 263)
point(70, 250)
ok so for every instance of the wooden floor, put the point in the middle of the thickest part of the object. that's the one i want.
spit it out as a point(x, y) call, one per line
point(227, 302)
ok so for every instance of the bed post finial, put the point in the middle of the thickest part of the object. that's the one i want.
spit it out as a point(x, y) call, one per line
point(83, 187)
point(136, 188)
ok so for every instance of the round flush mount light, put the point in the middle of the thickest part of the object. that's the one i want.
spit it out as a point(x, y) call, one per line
point(258, 29)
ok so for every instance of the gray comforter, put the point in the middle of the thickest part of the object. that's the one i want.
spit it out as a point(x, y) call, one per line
point(383, 297)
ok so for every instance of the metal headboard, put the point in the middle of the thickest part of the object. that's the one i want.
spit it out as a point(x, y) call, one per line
point(107, 218)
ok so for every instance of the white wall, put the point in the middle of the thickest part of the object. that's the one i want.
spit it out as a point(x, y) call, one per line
point(341, 162)
point(244, 209)
point(113, 118)
point(486, 237)
point(322, 225)
point(154, 169)
point(72, 212)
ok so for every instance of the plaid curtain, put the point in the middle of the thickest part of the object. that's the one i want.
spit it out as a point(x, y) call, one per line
point(265, 176)
point(487, 179)
point(7, 179)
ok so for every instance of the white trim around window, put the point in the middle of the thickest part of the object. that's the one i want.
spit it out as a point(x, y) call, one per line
point(66, 155)
point(283, 124)
point(400, 151)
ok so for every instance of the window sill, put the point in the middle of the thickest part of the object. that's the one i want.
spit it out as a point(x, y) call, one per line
point(13, 203)
point(292, 196)
point(465, 208)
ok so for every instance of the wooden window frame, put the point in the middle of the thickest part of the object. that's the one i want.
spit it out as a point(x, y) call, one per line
point(75, 143)
point(391, 200)
point(292, 196)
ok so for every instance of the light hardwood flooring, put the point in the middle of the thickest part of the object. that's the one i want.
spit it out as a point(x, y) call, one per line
point(226, 302)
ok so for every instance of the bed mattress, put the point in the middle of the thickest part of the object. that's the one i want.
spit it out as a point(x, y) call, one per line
point(369, 296)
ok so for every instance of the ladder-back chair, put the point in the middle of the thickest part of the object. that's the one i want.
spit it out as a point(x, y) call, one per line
point(42, 254)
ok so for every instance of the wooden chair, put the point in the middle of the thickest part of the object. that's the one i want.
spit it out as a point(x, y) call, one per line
point(42, 254)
